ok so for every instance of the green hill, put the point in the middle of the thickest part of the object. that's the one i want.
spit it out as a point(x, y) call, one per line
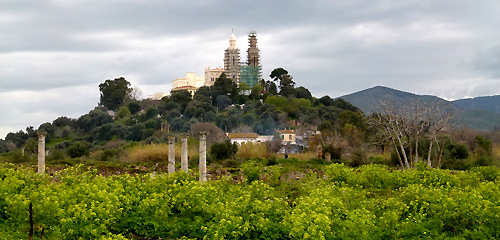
point(479, 119)
point(369, 100)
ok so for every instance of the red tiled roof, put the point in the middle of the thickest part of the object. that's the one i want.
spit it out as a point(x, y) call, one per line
point(242, 135)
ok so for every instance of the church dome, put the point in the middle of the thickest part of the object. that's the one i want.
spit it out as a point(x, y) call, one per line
point(232, 37)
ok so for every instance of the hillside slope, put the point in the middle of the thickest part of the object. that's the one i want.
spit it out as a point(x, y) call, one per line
point(478, 119)
point(369, 100)
point(490, 103)
point(473, 113)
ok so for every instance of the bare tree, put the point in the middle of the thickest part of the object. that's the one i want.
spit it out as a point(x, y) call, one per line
point(215, 134)
point(404, 127)
point(391, 126)
point(440, 123)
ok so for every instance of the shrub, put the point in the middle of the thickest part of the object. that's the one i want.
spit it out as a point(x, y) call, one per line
point(223, 150)
point(106, 154)
point(336, 152)
point(78, 149)
point(486, 173)
point(56, 154)
point(378, 159)
point(251, 170)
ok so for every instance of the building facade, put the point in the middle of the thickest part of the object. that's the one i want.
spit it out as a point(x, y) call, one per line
point(211, 74)
point(190, 82)
point(287, 136)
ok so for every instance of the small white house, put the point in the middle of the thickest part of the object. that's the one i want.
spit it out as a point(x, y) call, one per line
point(243, 137)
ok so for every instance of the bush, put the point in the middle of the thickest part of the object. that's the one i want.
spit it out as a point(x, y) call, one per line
point(56, 154)
point(358, 158)
point(223, 150)
point(78, 149)
point(106, 154)
point(251, 170)
point(336, 152)
point(18, 157)
point(487, 173)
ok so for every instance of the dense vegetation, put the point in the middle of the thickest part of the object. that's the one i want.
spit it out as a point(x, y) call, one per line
point(369, 202)
point(106, 171)
point(346, 135)
point(270, 105)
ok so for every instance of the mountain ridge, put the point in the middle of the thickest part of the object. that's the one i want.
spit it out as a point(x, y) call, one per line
point(473, 112)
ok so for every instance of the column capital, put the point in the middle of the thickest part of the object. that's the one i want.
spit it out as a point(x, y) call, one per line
point(42, 134)
point(171, 139)
point(184, 136)
point(203, 133)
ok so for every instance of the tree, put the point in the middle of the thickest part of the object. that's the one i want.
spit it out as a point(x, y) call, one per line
point(287, 86)
point(180, 97)
point(78, 149)
point(222, 101)
point(93, 119)
point(302, 92)
point(134, 107)
point(215, 134)
point(64, 121)
point(404, 127)
point(256, 92)
point(224, 150)
point(326, 100)
point(31, 146)
point(114, 93)
point(277, 73)
point(224, 86)
point(286, 83)
point(243, 88)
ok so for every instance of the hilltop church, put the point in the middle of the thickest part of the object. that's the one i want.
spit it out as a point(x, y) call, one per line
point(248, 72)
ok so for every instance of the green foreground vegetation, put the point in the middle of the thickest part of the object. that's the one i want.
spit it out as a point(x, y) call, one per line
point(332, 202)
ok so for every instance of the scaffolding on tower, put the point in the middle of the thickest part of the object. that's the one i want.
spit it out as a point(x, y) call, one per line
point(251, 72)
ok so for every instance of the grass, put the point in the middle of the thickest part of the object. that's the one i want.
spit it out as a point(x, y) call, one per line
point(156, 153)
point(252, 150)
point(305, 156)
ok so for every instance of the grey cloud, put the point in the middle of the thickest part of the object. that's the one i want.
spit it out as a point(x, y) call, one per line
point(489, 61)
point(330, 47)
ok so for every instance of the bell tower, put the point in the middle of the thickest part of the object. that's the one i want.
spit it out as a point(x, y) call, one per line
point(232, 60)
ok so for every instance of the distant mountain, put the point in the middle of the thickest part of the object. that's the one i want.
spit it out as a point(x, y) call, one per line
point(369, 100)
point(490, 103)
point(478, 119)
point(477, 113)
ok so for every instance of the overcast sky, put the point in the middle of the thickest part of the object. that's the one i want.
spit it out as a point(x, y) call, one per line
point(54, 54)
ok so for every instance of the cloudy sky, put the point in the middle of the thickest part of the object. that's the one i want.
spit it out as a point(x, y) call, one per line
point(54, 54)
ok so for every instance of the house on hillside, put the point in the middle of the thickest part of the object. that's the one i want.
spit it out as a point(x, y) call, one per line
point(242, 137)
point(287, 136)
point(265, 138)
point(190, 82)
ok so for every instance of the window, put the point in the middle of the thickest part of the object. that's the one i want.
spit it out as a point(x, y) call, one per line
point(282, 137)
point(289, 137)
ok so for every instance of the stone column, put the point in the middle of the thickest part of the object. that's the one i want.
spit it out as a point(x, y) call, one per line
point(184, 152)
point(203, 156)
point(41, 152)
point(319, 150)
point(171, 154)
point(328, 157)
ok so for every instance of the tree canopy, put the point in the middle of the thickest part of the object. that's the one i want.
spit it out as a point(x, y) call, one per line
point(114, 93)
